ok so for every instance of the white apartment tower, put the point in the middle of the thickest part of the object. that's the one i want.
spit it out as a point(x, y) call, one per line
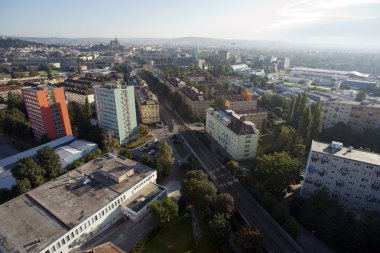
point(239, 138)
point(351, 176)
point(116, 110)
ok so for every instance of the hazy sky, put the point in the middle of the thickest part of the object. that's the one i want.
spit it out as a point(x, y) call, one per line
point(351, 22)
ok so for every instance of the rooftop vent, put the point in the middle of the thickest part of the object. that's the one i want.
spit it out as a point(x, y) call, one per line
point(336, 146)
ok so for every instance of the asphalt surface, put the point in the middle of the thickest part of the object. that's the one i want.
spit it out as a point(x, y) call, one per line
point(275, 238)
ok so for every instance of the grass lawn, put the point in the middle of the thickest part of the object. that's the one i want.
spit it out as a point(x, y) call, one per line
point(180, 149)
point(177, 237)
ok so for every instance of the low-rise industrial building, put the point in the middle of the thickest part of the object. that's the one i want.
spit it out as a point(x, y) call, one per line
point(239, 138)
point(74, 151)
point(62, 214)
point(351, 176)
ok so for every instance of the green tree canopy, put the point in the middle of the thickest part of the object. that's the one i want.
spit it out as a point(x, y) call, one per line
point(49, 161)
point(22, 185)
point(165, 210)
point(277, 172)
point(219, 229)
point(165, 159)
point(29, 169)
point(224, 204)
point(250, 239)
point(109, 142)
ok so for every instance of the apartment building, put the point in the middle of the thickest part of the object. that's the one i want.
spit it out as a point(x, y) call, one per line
point(4, 90)
point(147, 102)
point(358, 115)
point(62, 214)
point(239, 138)
point(80, 90)
point(174, 84)
point(116, 110)
point(194, 100)
point(47, 111)
point(351, 176)
point(246, 107)
point(239, 102)
point(257, 116)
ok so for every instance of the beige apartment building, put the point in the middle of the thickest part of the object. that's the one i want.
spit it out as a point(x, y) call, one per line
point(358, 115)
point(149, 108)
point(238, 137)
point(257, 116)
point(238, 102)
point(246, 108)
point(194, 100)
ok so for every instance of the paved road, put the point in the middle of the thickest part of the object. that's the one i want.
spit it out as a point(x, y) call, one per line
point(276, 239)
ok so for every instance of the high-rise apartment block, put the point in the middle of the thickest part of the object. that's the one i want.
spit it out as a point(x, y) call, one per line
point(351, 176)
point(116, 110)
point(47, 111)
point(358, 115)
point(239, 138)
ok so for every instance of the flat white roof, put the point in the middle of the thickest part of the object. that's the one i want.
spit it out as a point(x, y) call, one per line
point(354, 154)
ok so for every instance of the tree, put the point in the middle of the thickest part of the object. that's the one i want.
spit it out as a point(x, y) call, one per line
point(165, 159)
point(316, 122)
point(233, 166)
point(143, 130)
point(291, 226)
point(250, 239)
point(165, 210)
point(109, 142)
point(297, 106)
point(29, 169)
point(15, 101)
point(277, 172)
point(280, 213)
point(87, 108)
point(144, 159)
point(199, 191)
point(44, 138)
point(49, 161)
point(220, 102)
point(225, 205)
point(219, 229)
point(126, 153)
point(360, 96)
point(268, 200)
point(305, 123)
point(22, 185)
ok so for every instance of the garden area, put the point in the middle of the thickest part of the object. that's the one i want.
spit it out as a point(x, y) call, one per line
point(177, 237)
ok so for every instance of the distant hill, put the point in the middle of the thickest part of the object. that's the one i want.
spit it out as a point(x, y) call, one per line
point(17, 43)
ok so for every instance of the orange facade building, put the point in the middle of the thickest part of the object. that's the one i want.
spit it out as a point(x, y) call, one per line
point(47, 111)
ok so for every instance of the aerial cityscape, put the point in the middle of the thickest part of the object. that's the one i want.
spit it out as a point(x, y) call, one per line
point(190, 126)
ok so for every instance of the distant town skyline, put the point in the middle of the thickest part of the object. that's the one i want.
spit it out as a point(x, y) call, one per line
point(335, 22)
